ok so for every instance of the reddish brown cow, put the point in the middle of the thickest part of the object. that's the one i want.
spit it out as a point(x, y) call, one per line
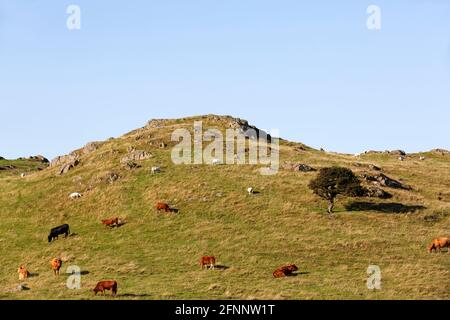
point(285, 271)
point(163, 206)
point(438, 244)
point(207, 261)
point(56, 264)
point(114, 222)
point(106, 285)
point(279, 273)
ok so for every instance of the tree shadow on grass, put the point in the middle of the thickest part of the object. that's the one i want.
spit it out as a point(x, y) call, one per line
point(390, 207)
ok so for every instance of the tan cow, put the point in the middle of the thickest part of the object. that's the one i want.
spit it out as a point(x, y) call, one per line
point(56, 264)
point(23, 272)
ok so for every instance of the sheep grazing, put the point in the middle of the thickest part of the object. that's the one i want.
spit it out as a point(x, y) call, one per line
point(401, 158)
point(156, 170)
point(422, 158)
point(215, 161)
point(75, 195)
point(250, 190)
point(22, 175)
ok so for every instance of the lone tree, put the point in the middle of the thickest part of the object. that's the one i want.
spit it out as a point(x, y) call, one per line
point(335, 181)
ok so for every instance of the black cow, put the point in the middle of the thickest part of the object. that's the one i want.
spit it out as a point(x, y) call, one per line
point(55, 232)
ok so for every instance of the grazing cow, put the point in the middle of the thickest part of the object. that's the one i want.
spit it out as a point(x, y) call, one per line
point(23, 272)
point(208, 261)
point(250, 190)
point(163, 206)
point(56, 264)
point(106, 285)
point(75, 195)
point(279, 273)
point(285, 271)
point(114, 222)
point(438, 244)
point(156, 170)
point(55, 232)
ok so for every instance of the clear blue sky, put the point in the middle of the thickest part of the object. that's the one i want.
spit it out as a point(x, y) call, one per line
point(309, 68)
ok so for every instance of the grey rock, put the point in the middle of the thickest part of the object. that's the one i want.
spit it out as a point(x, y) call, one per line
point(136, 155)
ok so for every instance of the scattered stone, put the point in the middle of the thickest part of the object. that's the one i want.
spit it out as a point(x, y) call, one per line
point(130, 165)
point(298, 167)
point(112, 177)
point(136, 155)
point(369, 166)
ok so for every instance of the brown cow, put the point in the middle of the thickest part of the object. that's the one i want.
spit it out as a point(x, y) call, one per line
point(285, 271)
point(163, 206)
point(279, 273)
point(23, 272)
point(438, 244)
point(114, 222)
point(208, 260)
point(106, 285)
point(56, 264)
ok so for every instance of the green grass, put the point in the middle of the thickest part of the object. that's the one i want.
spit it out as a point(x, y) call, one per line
point(155, 255)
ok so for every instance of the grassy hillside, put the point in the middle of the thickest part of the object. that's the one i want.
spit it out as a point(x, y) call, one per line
point(155, 255)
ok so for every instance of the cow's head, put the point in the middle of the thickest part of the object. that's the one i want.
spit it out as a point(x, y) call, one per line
point(50, 237)
point(431, 247)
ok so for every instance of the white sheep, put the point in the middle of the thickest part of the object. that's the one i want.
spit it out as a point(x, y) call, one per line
point(401, 158)
point(250, 190)
point(215, 161)
point(156, 170)
point(22, 175)
point(75, 195)
point(422, 158)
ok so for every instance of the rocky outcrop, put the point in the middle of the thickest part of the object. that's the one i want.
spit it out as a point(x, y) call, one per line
point(68, 166)
point(7, 167)
point(90, 147)
point(61, 160)
point(375, 192)
point(383, 180)
point(136, 155)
